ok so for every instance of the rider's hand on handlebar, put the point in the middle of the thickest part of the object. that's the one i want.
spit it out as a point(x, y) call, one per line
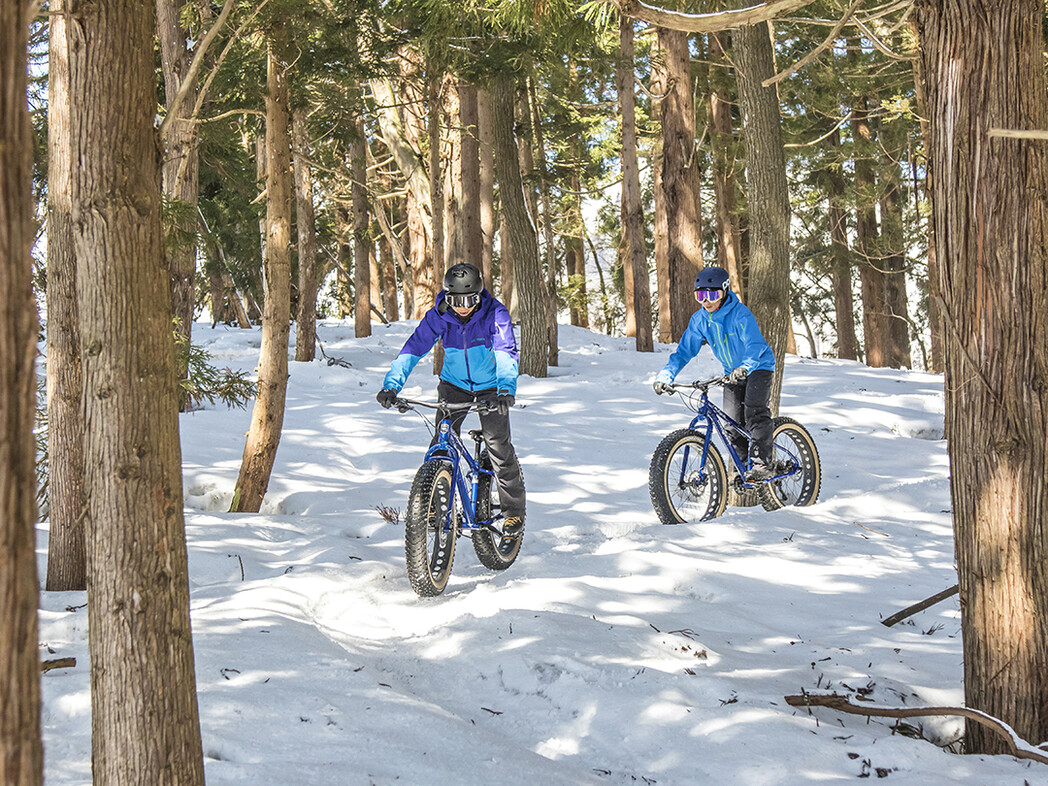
point(387, 397)
point(661, 387)
point(505, 402)
point(738, 375)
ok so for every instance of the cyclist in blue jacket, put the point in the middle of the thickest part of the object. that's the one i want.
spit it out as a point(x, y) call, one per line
point(480, 364)
point(731, 330)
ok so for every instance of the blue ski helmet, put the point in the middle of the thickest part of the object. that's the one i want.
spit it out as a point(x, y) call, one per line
point(712, 278)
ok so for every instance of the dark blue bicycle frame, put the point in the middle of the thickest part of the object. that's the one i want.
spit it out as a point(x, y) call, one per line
point(449, 446)
point(712, 415)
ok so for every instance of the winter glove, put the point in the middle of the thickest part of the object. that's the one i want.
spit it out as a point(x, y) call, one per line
point(505, 402)
point(660, 388)
point(738, 375)
point(386, 397)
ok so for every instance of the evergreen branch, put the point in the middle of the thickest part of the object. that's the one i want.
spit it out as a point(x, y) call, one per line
point(826, 44)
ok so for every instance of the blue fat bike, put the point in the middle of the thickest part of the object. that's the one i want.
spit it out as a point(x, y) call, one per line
point(452, 494)
point(688, 480)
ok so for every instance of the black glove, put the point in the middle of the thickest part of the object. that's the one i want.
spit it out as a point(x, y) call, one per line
point(505, 401)
point(386, 397)
point(738, 375)
point(660, 388)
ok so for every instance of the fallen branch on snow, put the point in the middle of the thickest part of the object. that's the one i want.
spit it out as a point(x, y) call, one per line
point(909, 611)
point(1018, 747)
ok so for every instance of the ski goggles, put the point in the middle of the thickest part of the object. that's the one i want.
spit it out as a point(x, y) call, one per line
point(712, 295)
point(463, 301)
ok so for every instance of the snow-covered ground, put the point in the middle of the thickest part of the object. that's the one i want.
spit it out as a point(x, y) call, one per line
point(616, 650)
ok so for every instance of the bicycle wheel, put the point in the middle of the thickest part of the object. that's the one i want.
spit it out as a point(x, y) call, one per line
point(430, 529)
point(493, 551)
point(681, 490)
point(793, 450)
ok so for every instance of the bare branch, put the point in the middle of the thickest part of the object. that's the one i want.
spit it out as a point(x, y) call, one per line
point(709, 23)
point(826, 44)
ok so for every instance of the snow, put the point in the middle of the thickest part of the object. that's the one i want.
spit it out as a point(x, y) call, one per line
point(615, 650)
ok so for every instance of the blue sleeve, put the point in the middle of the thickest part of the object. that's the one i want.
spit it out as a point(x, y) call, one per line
point(688, 347)
point(504, 346)
point(755, 350)
point(415, 348)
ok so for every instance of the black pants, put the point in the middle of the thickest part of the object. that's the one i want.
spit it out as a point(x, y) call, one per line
point(495, 428)
point(748, 404)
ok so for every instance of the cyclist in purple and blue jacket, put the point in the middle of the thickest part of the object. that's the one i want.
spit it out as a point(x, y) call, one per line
point(731, 330)
point(480, 364)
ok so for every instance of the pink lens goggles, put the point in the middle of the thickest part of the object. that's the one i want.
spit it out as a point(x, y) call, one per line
point(713, 295)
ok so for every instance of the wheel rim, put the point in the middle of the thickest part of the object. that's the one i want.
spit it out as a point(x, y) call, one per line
point(689, 490)
point(788, 490)
point(440, 528)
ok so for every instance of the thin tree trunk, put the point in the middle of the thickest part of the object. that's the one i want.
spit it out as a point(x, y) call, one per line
point(487, 186)
point(473, 239)
point(983, 62)
point(308, 269)
point(520, 236)
point(634, 253)
point(66, 555)
point(144, 719)
point(267, 417)
point(547, 231)
point(181, 165)
point(677, 212)
point(21, 750)
point(436, 190)
point(843, 300)
point(724, 164)
point(769, 204)
point(361, 239)
point(388, 273)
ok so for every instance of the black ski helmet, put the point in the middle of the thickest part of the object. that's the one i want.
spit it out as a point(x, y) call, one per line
point(712, 278)
point(463, 279)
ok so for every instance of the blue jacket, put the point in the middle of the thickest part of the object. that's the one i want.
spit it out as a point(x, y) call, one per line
point(480, 354)
point(733, 335)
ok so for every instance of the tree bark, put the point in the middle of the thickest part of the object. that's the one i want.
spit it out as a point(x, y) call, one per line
point(549, 246)
point(769, 203)
point(722, 140)
point(677, 219)
point(983, 62)
point(634, 253)
point(361, 234)
point(21, 750)
point(181, 163)
point(520, 235)
point(308, 268)
point(843, 300)
point(487, 186)
point(66, 555)
point(144, 719)
point(473, 239)
point(267, 417)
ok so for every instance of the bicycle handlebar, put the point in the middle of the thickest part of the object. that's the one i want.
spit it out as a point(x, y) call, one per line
point(701, 384)
point(404, 404)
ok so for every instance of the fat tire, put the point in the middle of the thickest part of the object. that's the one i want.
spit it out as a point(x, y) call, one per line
point(494, 552)
point(798, 490)
point(429, 551)
point(659, 483)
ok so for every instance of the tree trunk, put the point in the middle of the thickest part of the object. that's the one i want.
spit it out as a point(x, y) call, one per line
point(520, 236)
point(634, 253)
point(677, 219)
point(722, 140)
point(436, 190)
point(308, 269)
point(472, 237)
point(180, 171)
point(361, 234)
point(547, 231)
point(843, 300)
point(267, 417)
point(984, 67)
point(487, 186)
point(21, 750)
point(66, 556)
point(768, 290)
point(144, 720)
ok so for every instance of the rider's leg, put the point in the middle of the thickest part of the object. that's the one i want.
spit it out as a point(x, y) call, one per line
point(508, 477)
point(758, 414)
point(734, 395)
point(452, 394)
